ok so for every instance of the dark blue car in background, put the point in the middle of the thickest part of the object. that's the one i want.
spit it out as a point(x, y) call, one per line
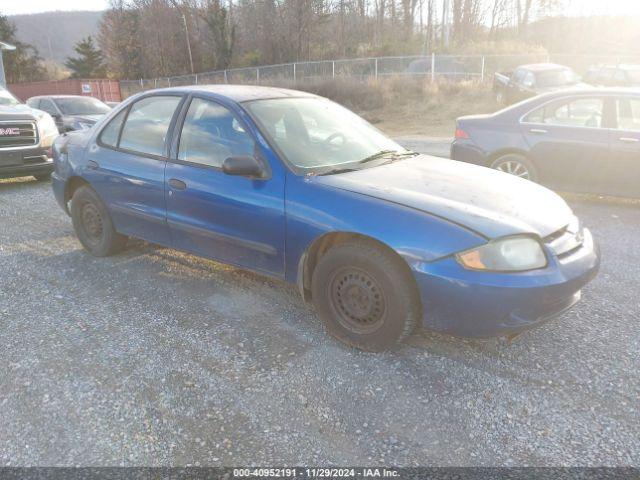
point(582, 141)
point(296, 187)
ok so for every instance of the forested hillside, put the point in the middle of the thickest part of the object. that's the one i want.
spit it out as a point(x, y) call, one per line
point(62, 29)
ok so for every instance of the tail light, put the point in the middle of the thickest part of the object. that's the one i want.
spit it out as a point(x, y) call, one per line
point(461, 134)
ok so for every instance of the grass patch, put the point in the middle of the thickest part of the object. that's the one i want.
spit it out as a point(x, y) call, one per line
point(409, 106)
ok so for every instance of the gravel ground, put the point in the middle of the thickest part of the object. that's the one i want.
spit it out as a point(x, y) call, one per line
point(156, 357)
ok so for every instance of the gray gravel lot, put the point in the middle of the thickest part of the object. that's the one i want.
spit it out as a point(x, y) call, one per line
point(156, 357)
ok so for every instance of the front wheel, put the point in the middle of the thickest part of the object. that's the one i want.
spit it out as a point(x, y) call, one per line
point(365, 296)
point(92, 224)
point(515, 164)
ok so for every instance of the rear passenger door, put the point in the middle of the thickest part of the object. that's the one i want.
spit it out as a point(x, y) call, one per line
point(126, 166)
point(235, 219)
point(568, 142)
point(623, 172)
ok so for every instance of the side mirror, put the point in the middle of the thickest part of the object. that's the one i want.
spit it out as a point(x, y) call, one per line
point(244, 166)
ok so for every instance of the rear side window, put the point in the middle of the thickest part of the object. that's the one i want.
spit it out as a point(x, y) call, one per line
point(145, 129)
point(110, 133)
point(211, 134)
point(629, 114)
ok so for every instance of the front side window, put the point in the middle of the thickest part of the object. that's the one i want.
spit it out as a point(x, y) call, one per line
point(146, 127)
point(629, 114)
point(556, 78)
point(211, 134)
point(584, 112)
point(315, 134)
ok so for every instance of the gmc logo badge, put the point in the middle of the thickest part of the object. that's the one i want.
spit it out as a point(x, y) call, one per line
point(9, 131)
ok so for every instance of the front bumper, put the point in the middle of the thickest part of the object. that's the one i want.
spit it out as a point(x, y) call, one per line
point(21, 162)
point(485, 304)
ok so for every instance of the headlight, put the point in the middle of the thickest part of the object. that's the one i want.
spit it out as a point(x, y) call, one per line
point(48, 127)
point(510, 254)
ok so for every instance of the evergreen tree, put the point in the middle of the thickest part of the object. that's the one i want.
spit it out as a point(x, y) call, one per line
point(22, 64)
point(89, 63)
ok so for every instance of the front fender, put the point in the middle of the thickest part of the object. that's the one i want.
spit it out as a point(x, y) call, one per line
point(313, 210)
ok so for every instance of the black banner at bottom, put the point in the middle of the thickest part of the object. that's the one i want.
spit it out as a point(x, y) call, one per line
point(233, 473)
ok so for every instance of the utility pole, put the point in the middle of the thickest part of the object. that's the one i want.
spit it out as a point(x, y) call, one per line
point(445, 23)
point(186, 32)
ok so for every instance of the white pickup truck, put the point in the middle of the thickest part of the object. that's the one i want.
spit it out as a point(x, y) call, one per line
point(26, 136)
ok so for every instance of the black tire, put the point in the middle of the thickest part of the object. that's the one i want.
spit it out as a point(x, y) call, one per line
point(93, 225)
point(366, 296)
point(516, 164)
point(44, 177)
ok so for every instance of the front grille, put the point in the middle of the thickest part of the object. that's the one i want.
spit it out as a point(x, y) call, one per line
point(18, 134)
point(565, 242)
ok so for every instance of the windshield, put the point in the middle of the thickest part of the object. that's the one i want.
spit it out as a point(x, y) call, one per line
point(555, 78)
point(81, 106)
point(7, 99)
point(319, 136)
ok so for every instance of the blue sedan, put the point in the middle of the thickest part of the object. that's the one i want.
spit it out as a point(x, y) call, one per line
point(294, 186)
point(582, 140)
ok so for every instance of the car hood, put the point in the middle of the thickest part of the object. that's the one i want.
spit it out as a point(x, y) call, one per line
point(19, 112)
point(84, 118)
point(491, 203)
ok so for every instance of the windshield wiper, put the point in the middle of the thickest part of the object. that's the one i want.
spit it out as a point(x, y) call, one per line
point(376, 156)
point(338, 170)
point(394, 154)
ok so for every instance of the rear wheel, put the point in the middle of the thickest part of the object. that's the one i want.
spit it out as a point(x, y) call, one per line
point(365, 296)
point(516, 164)
point(93, 225)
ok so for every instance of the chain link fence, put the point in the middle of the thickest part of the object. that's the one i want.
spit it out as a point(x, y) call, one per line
point(432, 67)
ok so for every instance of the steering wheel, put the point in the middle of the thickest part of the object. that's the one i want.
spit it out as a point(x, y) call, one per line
point(333, 136)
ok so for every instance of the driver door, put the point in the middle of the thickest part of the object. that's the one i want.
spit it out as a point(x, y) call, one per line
point(233, 219)
point(568, 142)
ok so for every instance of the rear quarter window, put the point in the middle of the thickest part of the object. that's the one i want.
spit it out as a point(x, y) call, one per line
point(110, 133)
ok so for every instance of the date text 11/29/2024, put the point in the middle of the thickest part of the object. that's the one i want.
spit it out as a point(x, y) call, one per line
point(315, 472)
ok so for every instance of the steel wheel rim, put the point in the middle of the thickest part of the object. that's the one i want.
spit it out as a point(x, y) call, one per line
point(92, 223)
point(513, 167)
point(357, 300)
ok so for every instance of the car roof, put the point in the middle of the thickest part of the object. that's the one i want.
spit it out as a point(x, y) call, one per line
point(239, 93)
point(539, 100)
point(60, 96)
point(622, 66)
point(590, 91)
point(540, 67)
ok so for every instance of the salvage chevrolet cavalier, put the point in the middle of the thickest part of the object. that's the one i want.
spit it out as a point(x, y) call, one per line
point(294, 186)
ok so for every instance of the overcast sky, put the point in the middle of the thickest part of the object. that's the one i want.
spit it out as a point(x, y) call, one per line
point(577, 7)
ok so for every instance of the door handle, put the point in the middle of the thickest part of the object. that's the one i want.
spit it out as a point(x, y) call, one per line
point(539, 131)
point(93, 165)
point(629, 139)
point(177, 184)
